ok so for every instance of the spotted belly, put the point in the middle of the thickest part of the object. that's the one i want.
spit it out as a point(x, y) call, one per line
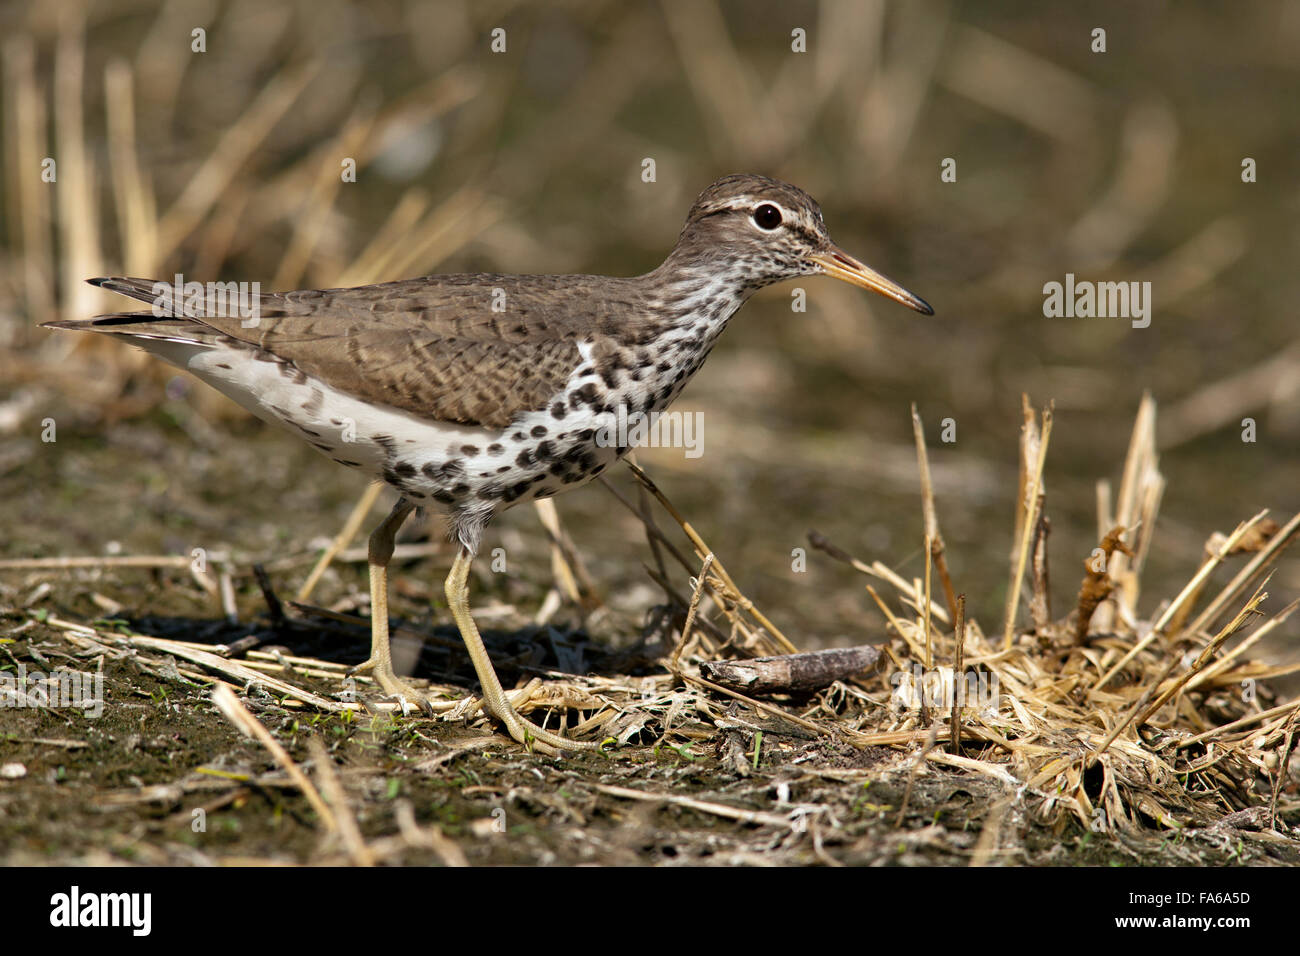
point(449, 466)
point(517, 464)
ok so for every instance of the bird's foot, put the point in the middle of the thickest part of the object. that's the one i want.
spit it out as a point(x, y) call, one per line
point(392, 685)
point(534, 737)
point(521, 730)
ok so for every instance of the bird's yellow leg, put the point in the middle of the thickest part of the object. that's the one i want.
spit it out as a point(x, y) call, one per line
point(380, 663)
point(494, 698)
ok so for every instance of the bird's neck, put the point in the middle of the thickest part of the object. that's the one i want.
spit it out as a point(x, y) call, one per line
point(696, 294)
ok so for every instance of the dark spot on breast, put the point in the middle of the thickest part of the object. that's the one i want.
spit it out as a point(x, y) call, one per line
point(404, 468)
point(538, 431)
point(444, 472)
point(558, 410)
point(524, 459)
point(459, 488)
point(446, 497)
point(583, 396)
point(503, 469)
point(222, 365)
point(518, 436)
point(495, 448)
point(545, 451)
point(470, 450)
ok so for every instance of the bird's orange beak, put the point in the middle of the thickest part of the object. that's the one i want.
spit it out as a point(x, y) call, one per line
point(838, 264)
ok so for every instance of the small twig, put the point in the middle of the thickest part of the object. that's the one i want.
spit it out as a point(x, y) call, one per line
point(349, 531)
point(1029, 504)
point(1283, 767)
point(432, 837)
point(226, 588)
point(575, 584)
point(690, 612)
point(229, 705)
point(934, 539)
point(958, 681)
point(1276, 545)
point(1040, 604)
point(1097, 585)
point(757, 704)
point(348, 830)
point(702, 549)
point(273, 606)
point(757, 817)
point(925, 618)
point(1248, 721)
point(114, 561)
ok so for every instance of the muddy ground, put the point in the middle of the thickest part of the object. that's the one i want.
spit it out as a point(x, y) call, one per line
point(162, 777)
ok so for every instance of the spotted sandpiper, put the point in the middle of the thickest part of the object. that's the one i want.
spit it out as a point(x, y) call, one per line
point(472, 393)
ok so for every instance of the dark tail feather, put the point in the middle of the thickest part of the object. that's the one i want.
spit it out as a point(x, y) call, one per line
point(142, 289)
point(113, 320)
point(140, 326)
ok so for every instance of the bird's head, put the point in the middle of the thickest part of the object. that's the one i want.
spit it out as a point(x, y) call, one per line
point(769, 231)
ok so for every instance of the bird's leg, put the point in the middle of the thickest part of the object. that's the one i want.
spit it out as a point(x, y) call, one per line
point(380, 663)
point(494, 698)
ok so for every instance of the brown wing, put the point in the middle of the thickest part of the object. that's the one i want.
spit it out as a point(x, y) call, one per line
point(473, 349)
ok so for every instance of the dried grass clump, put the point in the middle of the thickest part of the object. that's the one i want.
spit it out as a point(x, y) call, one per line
point(1106, 716)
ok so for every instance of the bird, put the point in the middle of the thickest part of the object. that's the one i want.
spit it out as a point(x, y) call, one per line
point(472, 393)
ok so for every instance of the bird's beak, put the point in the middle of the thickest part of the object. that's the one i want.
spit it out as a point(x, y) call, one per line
point(840, 265)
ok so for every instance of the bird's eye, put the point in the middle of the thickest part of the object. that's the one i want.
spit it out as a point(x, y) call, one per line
point(767, 216)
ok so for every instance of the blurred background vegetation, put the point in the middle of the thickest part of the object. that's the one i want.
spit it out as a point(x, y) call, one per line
point(1123, 165)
